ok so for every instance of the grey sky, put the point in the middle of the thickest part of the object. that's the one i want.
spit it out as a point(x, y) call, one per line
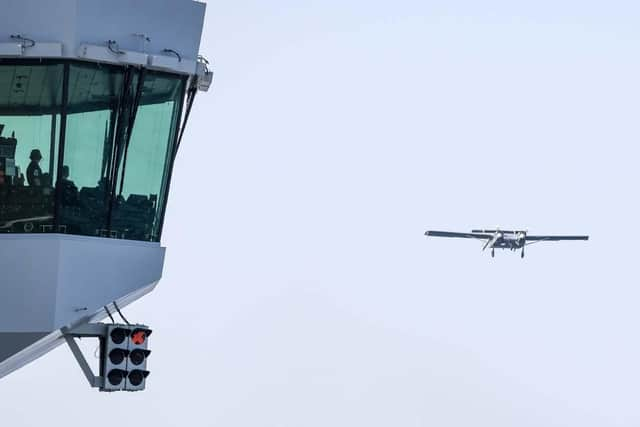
point(299, 289)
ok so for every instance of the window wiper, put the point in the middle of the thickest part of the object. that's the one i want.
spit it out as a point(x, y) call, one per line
point(191, 96)
point(119, 134)
point(118, 131)
point(132, 119)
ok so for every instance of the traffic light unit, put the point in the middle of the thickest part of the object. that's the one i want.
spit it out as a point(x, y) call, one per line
point(124, 357)
point(137, 361)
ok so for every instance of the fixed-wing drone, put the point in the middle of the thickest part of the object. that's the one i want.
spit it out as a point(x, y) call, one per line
point(504, 239)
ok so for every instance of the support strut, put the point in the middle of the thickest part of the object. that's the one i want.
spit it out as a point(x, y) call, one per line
point(87, 330)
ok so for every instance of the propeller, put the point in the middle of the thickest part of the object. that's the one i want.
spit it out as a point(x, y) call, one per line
point(493, 240)
point(522, 235)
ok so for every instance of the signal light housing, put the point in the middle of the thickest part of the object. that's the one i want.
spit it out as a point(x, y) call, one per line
point(136, 378)
point(137, 358)
point(117, 356)
point(124, 357)
point(115, 349)
point(115, 378)
point(118, 334)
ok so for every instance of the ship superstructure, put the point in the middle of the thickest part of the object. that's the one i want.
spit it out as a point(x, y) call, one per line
point(94, 96)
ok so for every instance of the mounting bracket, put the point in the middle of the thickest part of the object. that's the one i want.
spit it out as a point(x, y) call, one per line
point(86, 330)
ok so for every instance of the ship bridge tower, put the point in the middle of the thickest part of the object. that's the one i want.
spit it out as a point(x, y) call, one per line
point(94, 96)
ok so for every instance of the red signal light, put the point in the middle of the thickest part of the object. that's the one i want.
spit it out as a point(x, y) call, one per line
point(138, 337)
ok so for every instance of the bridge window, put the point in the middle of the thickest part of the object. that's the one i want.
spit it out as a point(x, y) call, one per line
point(118, 127)
point(30, 107)
point(94, 94)
point(145, 169)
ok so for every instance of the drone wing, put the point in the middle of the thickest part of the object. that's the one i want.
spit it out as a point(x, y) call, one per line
point(554, 238)
point(481, 236)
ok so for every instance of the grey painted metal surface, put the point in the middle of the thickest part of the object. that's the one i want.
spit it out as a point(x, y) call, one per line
point(55, 338)
point(62, 27)
point(13, 342)
point(51, 281)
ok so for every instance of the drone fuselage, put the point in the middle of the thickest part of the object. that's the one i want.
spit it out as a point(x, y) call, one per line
point(511, 241)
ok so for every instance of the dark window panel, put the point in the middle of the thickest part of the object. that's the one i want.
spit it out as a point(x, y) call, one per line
point(113, 178)
point(28, 146)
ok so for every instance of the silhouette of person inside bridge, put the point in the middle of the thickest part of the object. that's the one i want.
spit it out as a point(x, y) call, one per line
point(34, 173)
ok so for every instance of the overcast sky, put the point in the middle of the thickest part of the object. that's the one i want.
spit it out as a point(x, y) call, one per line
point(299, 289)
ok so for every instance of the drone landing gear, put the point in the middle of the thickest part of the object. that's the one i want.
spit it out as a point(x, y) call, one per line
point(522, 253)
point(493, 253)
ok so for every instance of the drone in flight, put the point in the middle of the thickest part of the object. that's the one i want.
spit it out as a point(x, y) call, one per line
point(504, 239)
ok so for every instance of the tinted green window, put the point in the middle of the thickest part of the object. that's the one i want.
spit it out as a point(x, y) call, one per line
point(30, 106)
point(94, 98)
point(93, 160)
point(138, 213)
